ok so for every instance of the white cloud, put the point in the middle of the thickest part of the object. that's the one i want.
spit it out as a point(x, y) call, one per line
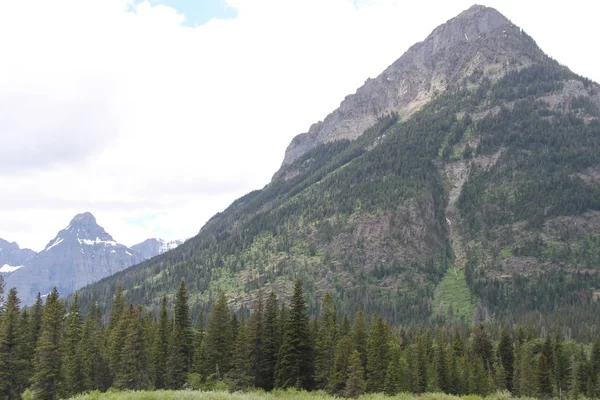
point(134, 117)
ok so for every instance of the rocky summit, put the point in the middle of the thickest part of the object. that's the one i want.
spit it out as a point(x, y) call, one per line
point(12, 257)
point(460, 184)
point(80, 254)
point(154, 246)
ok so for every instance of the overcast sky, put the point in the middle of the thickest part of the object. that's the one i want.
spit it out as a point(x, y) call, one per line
point(155, 115)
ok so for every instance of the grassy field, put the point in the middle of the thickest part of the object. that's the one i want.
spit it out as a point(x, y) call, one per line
point(289, 395)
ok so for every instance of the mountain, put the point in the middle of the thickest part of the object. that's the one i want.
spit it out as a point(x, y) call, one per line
point(463, 183)
point(153, 247)
point(12, 257)
point(80, 254)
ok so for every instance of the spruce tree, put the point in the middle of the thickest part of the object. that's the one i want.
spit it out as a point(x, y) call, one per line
point(359, 336)
point(271, 341)
point(506, 355)
point(254, 335)
point(295, 367)
point(46, 381)
point(93, 341)
point(355, 383)
point(543, 373)
point(325, 342)
point(441, 368)
point(161, 346)
point(116, 331)
point(219, 338)
point(12, 362)
point(182, 351)
point(378, 354)
point(72, 362)
point(133, 372)
point(562, 368)
point(396, 374)
point(240, 376)
point(339, 372)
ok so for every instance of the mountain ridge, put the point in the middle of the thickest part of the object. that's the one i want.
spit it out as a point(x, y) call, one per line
point(483, 182)
point(412, 80)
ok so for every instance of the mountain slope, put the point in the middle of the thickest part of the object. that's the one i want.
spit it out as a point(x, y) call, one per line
point(12, 257)
point(492, 178)
point(80, 254)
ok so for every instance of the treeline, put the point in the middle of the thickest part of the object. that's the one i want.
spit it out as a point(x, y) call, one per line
point(55, 353)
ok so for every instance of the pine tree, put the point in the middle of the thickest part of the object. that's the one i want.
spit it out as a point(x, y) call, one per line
point(270, 343)
point(378, 355)
point(325, 342)
point(46, 381)
point(441, 368)
point(339, 372)
point(482, 347)
point(182, 351)
point(255, 334)
point(544, 385)
point(93, 341)
point(133, 372)
point(397, 373)
point(161, 346)
point(240, 376)
point(506, 355)
point(12, 363)
point(359, 336)
point(116, 331)
point(295, 366)
point(72, 363)
point(355, 383)
point(219, 338)
point(562, 368)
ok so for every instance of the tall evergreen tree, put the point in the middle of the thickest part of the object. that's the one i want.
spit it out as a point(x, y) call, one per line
point(271, 341)
point(133, 372)
point(441, 368)
point(182, 350)
point(117, 324)
point(378, 354)
point(506, 356)
point(339, 372)
point(397, 373)
point(562, 368)
point(72, 362)
point(240, 376)
point(161, 346)
point(92, 349)
point(543, 373)
point(355, 383)
point(359, 336)
point(295, 367)
point(255, 335)
point(12, 362)
point(46, 381)
point(325, 342)
point(219, 338)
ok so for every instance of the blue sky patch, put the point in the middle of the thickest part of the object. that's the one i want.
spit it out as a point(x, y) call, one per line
point(199, 12)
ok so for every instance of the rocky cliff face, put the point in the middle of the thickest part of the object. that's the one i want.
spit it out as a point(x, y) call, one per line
point(479, 40)
point(153, 247)
point(12, 257)
point(80, 254)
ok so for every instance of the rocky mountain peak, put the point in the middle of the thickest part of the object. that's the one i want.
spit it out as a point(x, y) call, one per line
point(480, 43)
point(84, 230)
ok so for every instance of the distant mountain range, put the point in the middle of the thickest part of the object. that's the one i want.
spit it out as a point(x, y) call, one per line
point(80, 254)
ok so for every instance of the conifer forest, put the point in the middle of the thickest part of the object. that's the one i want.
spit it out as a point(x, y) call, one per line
point(50, 351)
